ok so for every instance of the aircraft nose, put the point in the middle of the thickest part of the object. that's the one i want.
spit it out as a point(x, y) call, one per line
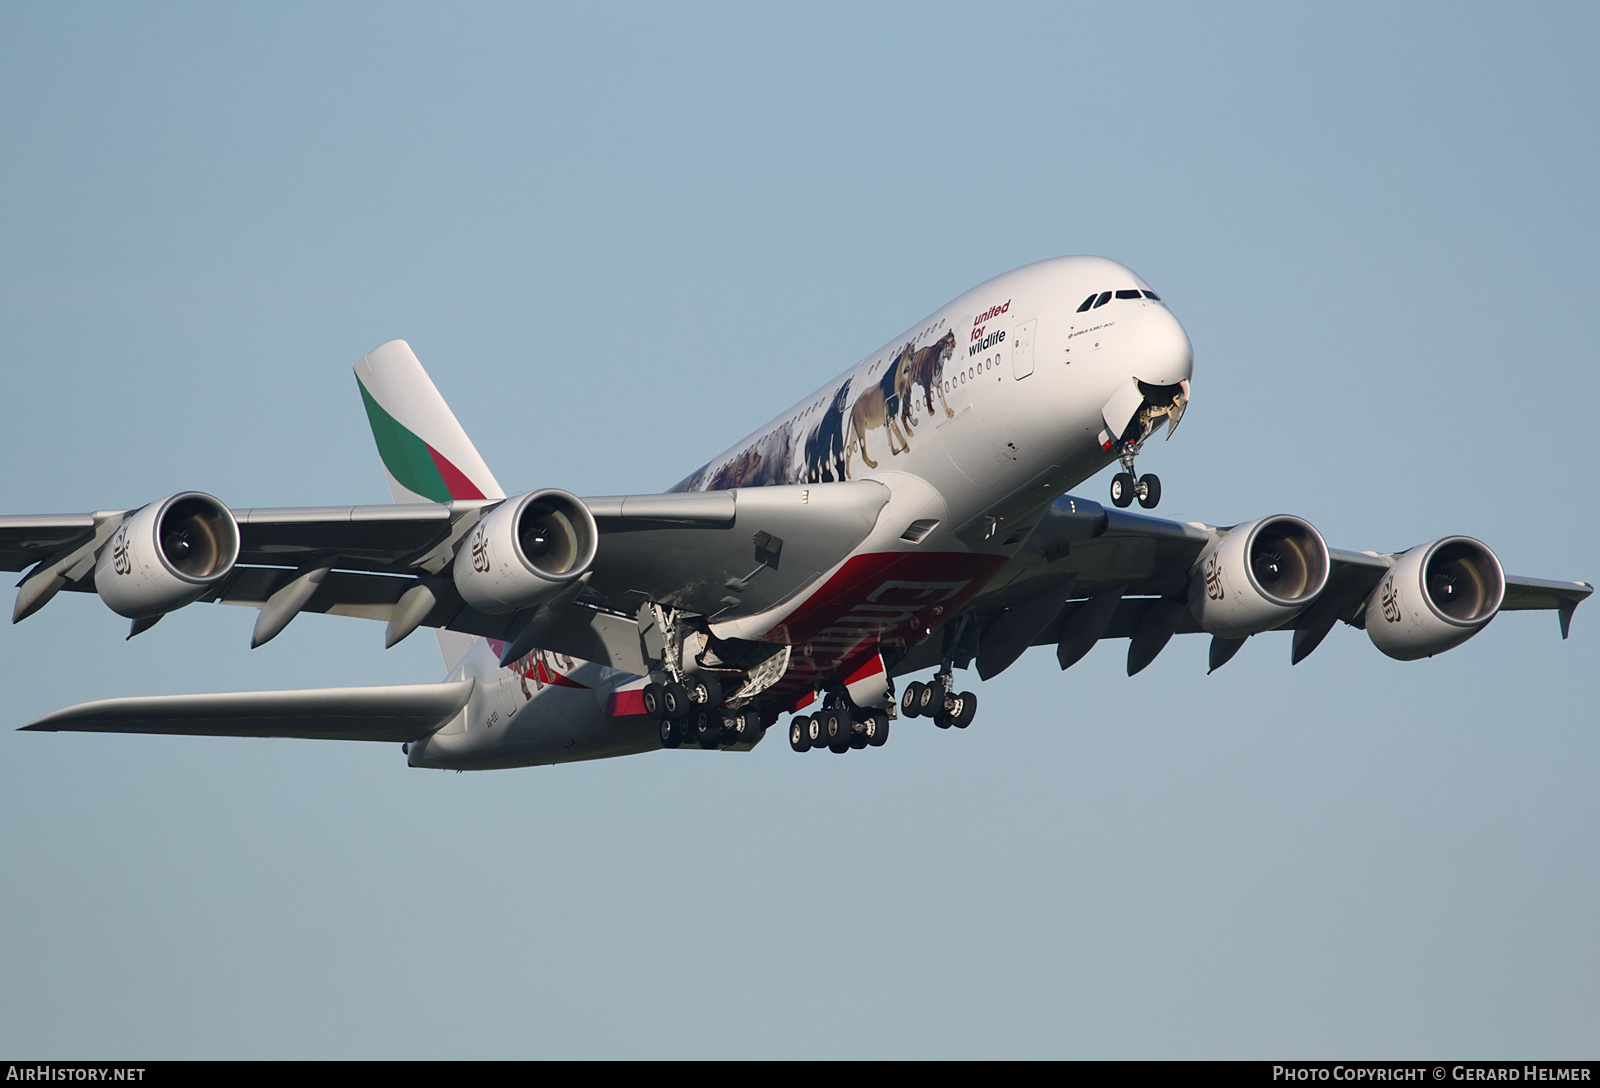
point(1162, 354)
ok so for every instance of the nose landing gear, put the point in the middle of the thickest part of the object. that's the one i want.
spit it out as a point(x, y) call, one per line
point(1125, 486)
point(1162, 404)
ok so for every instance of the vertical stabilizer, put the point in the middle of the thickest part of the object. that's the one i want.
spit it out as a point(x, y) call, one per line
point(427, 455)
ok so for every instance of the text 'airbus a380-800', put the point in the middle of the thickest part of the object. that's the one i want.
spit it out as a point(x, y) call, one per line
point(909, 516)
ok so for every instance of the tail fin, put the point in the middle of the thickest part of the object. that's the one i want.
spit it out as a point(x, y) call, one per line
point(427, 455)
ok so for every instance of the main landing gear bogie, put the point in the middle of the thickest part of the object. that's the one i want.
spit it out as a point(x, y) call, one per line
point(935, 701)
point(692, 712)
point(837, 731)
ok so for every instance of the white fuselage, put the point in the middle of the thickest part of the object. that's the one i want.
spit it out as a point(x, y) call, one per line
point(976, 420)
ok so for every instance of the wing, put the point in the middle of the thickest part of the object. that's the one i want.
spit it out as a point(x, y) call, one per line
point(1087, 573)
point(399, 713)
point(718, 554)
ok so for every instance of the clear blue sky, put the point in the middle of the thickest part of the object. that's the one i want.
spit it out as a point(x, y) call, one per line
point(621, 237)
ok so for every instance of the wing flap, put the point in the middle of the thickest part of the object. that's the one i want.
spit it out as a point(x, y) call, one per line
point(397, 713)
point(27, 538)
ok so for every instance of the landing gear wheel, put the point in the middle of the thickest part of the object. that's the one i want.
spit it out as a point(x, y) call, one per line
point(674, 700)
point(836, 728)
point(928, 700)
point(1123, 488)
point(652, 697)
point(910, 702)
point(707, 729)
point(814, 731)
point(1149, 490)
point(669, 733)
point(878, 730)
point(858, 734)
point(704, 691)
point(800, 733)
point(942, 719)
point(965, 710)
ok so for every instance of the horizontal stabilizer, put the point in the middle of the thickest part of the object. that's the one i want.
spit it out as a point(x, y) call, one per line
point(399, 713)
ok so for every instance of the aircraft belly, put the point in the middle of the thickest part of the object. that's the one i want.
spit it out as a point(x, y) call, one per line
point(545, 708)
point(885, 598)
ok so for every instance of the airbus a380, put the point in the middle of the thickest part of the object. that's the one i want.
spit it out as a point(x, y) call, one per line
point(909, 517)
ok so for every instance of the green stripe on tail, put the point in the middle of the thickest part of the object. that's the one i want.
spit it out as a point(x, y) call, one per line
point(406, 456)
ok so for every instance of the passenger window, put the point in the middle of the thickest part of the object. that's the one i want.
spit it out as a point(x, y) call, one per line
point(1104, 298)
point(1088, 302)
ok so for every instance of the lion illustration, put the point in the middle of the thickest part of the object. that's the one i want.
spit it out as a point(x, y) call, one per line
point(880, 406)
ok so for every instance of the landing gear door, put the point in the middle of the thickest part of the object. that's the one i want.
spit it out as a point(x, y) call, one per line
point(1022, 349)
point(1121, 408)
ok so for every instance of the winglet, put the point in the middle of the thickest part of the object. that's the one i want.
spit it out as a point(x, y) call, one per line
point(428, 456)
point(1564, 610)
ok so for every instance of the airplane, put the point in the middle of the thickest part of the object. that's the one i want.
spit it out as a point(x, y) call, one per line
point(912, 514)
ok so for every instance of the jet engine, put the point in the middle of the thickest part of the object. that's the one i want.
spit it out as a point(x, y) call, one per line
point(1261, 574)
point(527, 550)
point(1435, 598)
point(167, 555)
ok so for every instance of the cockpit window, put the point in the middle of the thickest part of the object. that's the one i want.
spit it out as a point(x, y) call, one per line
point(1096, 301)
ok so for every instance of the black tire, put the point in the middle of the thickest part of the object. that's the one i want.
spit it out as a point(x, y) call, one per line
point(836, 727)
point(815, 733)
point(909, 701)
point(668, 733)
point(674, 700)
point(962, 715)
point(1149, 490)
point(878, 730)
point(928, 701)
point(1123, 488)
point(942, 719)
point(652, 696)
point(744, 726)
point(799, 737)
point(704, 690)
point(858, 735)
point(707, 729)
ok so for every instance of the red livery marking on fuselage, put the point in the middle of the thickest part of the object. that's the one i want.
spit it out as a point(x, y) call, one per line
point(535, 667)
point(625, 703)
point(887, 598)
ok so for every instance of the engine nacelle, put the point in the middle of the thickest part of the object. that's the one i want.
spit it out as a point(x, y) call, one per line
point(527, 550)
point(1260, 575)
point(1435, 598)
point(167, 555)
